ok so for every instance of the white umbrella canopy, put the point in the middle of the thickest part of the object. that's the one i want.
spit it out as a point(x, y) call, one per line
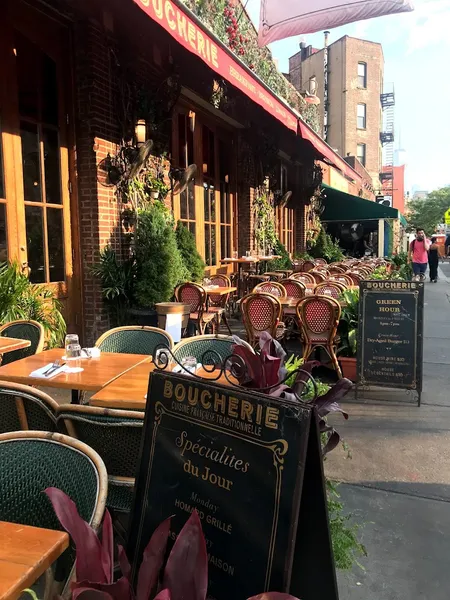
point(280, 19)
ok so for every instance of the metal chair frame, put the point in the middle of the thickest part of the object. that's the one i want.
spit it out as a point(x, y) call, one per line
point(40, 344)
point(220, 304)
point(208, 337)
point(298, 287)
point(308, 265)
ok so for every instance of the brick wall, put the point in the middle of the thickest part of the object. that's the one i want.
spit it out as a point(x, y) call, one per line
point(245, 191)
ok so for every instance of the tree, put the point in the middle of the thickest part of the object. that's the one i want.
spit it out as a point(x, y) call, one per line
point(428, 213)
point(192, 260)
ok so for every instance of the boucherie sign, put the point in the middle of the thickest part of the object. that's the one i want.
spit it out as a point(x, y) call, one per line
point(183, 29)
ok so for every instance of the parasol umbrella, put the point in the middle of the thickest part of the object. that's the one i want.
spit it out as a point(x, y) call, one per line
point(282, 19)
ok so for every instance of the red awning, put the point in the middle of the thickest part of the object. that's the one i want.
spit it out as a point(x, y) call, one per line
point(194, 38)
point(328, 153)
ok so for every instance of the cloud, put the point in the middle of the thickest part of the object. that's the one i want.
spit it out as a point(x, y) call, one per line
point(426, 26)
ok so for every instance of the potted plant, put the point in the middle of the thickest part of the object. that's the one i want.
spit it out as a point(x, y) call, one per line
point(155, 186)
point(192, 260)
point(348, 330)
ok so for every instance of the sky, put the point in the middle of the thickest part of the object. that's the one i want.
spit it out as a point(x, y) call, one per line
point(416, 49)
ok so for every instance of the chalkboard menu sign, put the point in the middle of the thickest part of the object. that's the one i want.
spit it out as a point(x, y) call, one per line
point(391, 334)
point(251, 467)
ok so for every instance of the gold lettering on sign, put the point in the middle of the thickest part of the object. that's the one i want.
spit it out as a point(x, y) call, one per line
point(191, 35)
point(158, 8)
point(182, 23)
point(170, 15)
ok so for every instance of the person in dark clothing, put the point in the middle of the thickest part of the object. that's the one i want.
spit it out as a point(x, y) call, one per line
point(433, 260)
point(447, 245)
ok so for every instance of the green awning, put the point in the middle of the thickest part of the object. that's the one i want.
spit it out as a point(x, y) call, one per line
point(403, 221)
point(340, 206)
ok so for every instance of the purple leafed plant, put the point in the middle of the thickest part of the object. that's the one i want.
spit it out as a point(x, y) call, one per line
point(266, 371)
point(184, 577)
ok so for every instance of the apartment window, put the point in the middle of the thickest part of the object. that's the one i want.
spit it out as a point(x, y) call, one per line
point(361, 154)
point(361, 116)
point(362, 75)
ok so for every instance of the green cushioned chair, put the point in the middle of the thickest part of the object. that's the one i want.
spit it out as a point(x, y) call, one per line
point(201, 344)
point(30, 462)
point(116, 436)
point(133, 339)
point(23, 408)
point(25, 330)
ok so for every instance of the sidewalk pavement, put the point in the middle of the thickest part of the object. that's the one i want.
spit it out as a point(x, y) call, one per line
point(398, 480)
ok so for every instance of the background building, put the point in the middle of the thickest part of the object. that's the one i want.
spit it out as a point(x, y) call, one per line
point(349, 90)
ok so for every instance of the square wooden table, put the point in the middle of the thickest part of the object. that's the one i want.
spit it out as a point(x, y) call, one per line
point(9, 344)
point(25, 554)
point(97, 372)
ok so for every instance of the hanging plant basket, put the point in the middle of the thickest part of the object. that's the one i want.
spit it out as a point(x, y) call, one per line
point(154, 194)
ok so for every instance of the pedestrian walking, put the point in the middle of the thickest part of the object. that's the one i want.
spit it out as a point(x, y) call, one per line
point(447, 245)
point(433, 259)
point(418, 254)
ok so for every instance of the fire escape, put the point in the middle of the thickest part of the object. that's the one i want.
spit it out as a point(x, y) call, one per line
point(387, 141)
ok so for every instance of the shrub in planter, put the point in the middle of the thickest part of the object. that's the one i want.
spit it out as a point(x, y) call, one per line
point(159, 266)
point(326, 247)
point(192, 260)
point(284, 262)
point(21, 299)
point(348, 330)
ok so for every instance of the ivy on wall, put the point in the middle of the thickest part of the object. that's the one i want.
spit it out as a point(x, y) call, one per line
point(231, 24)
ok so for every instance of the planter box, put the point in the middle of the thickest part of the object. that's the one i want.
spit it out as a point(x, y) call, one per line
point(144, 316)
point(348, 367)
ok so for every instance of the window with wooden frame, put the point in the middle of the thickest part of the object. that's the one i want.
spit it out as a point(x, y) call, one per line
point(226, 209)
point(209, 195)
point(3, 228)
point(286, 228)
point(186, 158)
point(39, 133)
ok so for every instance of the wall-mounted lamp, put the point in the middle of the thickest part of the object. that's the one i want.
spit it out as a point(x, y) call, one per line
point(140, 131)
point(227, 178)
point(192, 120)
point(205, 167)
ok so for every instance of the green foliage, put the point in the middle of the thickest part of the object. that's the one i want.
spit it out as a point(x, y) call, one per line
point(344, 534)
point(117, 281)
point(192, 260)
point(326, 247)
point(403, 273)
point(284, 262)
point(404, 268)
point(263, 210)
point(20, 299)
point(158, 261)
point(429, 213)
point(348, 326)
point(399, 259)
point(294, 363)
point(303, 256)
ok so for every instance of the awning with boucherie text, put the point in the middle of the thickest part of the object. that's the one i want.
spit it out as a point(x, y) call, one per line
point(194, 38)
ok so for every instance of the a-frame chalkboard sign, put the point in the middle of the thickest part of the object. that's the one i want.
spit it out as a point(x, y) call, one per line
point(251, 466)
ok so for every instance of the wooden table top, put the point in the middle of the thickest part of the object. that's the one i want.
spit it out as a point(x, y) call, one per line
point(8, 344)
point(25, 554)
point(97, 372)
point(128, 391)
point(220, 291)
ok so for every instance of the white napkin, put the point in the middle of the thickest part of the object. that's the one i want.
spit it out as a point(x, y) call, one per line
point(178, 369)
point(39, 373)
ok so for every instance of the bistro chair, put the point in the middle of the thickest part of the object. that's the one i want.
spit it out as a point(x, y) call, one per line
point(318, 317)
point(334, 270)
point(219, 304)
point(262, 312)
point(329, 288)
point(23, 408)
point(271, 287)
point(275, 275)
point(35, 460)
point(355, 277)
point(319, 276)
point(25, 330)
point(321, 261)
point(304, 278)
point(195, 295)
point(297, 265)
point(308, 265)
point(342, 278)
point(133, 339)
point(205, 347)
point(116, 436)
point(294, 288)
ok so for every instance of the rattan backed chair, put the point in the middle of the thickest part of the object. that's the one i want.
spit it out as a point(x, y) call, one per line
point(297, 265)
point(334, 270)
point(321, 261)
point(319, 276)
point(271, 287)
point(308, 265)
point(195, 295)
point(262, 312)
point(207, 349)
point(133, 339)
point(23, 408)
point(219, 303)
point(25, 330)
point(35, 460)
point(304, 278)
point(294, 288)
point(329, 288)
point(116, 436)
point(342, 278)
point(355, 277)
point(318, 317)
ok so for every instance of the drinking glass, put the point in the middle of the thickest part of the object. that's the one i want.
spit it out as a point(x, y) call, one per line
point(235, 254)
point(247, 254)
point(72, 346)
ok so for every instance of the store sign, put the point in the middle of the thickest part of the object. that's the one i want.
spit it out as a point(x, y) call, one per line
point(390, 335)
point(251, 466)
point(193, 38)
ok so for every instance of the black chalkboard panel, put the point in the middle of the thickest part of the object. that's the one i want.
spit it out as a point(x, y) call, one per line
point(239, 459)
point(390, 334)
